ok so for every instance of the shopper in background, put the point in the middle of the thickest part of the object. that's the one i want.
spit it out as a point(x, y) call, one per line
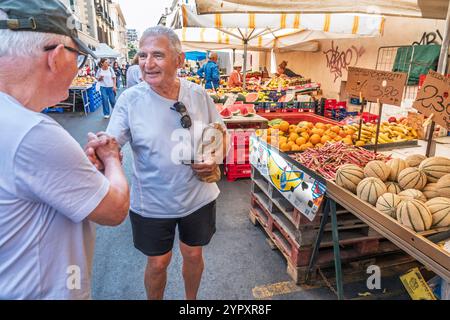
point(235, 79)
point(118, 73)
point(124, 70)
point(283, 71)
point(210, 72)
point(107, 82)
point(134, 73)
point(50, 193)
point(165, 192)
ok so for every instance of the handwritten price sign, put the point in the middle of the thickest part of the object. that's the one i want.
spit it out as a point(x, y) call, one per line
point(433, 98)
point(376, 85)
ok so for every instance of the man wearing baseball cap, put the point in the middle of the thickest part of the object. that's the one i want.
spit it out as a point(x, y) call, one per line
point(50, 193)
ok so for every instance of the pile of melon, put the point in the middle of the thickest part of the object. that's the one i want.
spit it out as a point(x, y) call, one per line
point(415, 191)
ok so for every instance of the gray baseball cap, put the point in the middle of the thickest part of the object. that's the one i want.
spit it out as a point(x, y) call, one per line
point(50, 16)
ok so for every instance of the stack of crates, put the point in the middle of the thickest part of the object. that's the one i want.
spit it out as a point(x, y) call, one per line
point(95, 98)
point(237, 164)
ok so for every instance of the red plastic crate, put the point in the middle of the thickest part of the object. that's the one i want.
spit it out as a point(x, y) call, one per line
point(369, 117)
point(236, 171)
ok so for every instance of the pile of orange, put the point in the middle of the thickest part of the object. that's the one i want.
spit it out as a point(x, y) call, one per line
point(305, 135)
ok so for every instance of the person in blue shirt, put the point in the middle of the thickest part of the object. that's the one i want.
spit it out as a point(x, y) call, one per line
point(210, 72)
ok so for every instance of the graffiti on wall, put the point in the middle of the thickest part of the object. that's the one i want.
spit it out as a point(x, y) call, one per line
point(338, 60)
point(429, 38)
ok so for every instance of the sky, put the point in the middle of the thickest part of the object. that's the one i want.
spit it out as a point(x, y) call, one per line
point(141, 14)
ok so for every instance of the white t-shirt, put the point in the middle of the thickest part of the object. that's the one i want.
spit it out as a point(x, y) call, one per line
point(162, 188)
point(47, 189)
point(134, 75)
point(108, 76)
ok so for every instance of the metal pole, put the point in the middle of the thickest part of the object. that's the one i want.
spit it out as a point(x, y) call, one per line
point(380, 108)
point(442, 68)
point(234, 56)
point(244, 84)
point(337, 252)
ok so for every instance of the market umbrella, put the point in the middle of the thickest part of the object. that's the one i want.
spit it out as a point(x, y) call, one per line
point(269, 31)
point(105, 51)
point(431, 9)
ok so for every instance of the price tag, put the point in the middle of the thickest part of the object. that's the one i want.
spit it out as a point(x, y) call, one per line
point(387, 87)
point(416, 285)
point(433, 98)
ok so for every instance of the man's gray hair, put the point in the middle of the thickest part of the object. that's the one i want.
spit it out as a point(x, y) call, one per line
point(161, 31)
point(26, 43)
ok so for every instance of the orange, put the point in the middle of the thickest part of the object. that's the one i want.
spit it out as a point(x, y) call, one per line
point(284, 126)
point(320, 125)
point(350, 132)
point(310, 125)
point(325, 139)
point(285, 147)
point(335, 129)
point(303, 147)
point(298, 130)
point(359, 143)
point(295, 148)
point(318, 131)
point(300, 141)
point(338, 138)
point(319, 145)
point(315, 139)
point(282, 140)
point(333, 134)
point(305, 135)
point(347, 141)
point(290, 143)
point(342, 133)
point(293, 136)
point(309, 144)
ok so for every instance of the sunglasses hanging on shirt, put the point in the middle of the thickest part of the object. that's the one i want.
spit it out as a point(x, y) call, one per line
point(185, 120)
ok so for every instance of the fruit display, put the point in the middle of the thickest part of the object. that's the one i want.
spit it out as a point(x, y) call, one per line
point(83, 81)
point(327, 159)
point(194, 79)
point(412, 195)
point(284, 83)
point(389, 132)
point(244, 110)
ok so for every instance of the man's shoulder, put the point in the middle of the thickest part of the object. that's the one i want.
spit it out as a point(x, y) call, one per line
point(193, 87)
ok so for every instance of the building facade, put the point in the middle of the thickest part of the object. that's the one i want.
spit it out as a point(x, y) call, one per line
point(119, 36)
point(104, 22)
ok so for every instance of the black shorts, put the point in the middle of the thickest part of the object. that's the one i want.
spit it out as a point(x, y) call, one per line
point(155, 236)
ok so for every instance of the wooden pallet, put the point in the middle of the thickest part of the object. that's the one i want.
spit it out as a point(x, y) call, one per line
point(354, 257)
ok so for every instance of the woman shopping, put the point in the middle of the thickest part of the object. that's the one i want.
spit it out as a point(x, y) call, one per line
point(107, 82)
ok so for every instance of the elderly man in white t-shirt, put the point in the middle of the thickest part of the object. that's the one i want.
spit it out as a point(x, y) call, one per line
point(164, 119)
point(50, 193)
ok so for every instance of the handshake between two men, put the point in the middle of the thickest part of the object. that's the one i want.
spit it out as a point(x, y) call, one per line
point(103, 149)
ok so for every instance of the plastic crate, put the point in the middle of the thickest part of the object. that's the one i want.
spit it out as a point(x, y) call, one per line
point(236, 171)
point(369, 117)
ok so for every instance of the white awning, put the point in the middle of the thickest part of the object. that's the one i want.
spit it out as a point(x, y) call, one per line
point(344, 23)
point(105, 51)
point(432, 9)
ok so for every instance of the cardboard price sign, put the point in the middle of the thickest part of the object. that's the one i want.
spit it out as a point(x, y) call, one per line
point(387, 87)
point(433, 98)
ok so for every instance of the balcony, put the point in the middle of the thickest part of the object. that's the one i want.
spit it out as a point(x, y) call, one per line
point(99, 10)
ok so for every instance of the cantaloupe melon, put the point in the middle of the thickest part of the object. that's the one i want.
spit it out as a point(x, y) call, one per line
point(410, 194)
point(388, 204)
point(435, 168)
point(377, 169)
point(440, 210)
point(393, 187)
point(396, 165)
point(412, 178)
point(443, 186)
point(348, 176)
point(430, 191)
point(370, 189)
point(414, 160)
point(415, 215)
